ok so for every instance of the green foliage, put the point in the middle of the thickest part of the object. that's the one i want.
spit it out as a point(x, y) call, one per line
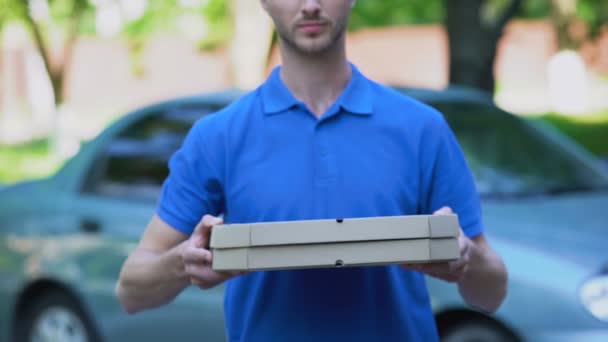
point(589, 130)
point(217, 13)
point(594, 13)
point(535, 9)
point(163, 16)
point(28, 161)
point(219, 20)
point(395, 12)
point(63, 10)
point(11, 10)
point(159, 16)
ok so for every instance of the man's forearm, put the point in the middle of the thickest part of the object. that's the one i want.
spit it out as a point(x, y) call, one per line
point(150, 279)
point(484, 283)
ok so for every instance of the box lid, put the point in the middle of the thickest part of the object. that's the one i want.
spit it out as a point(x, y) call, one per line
point(335, 230)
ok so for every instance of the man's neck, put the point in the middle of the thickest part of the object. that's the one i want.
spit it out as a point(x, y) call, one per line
point(316, 80)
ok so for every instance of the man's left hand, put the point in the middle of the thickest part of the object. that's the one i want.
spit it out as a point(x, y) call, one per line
point(449, 271)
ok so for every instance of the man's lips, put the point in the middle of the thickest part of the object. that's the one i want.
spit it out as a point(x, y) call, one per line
point(312, 27)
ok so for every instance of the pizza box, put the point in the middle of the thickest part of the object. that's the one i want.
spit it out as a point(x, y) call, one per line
point(334, 243)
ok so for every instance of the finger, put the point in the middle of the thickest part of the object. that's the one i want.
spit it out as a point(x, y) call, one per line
point(197, 255)
point(457, 263)
point(203, 273)
point(446, 277)
point(204, 284)
point(202, 232)
point(441, 267)
point(448, 271)
point(211, 221)
point(443, 211)
point(205, 270)
point(464, 243)
point(197, 270)
point(457, 268)
point(441, 274)
point(432, 271)
point(207, 278)
point(207, 222)
point(219, 276)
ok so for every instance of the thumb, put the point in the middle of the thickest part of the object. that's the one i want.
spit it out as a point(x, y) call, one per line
point(444, 211)
point(202, 232)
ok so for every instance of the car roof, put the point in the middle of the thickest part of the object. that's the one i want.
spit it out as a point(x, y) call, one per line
point(452, 94)
point(222, 97)
point(219, 99)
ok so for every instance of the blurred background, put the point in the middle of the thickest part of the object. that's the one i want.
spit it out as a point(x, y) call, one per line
point(69, 67)
point(523, 83)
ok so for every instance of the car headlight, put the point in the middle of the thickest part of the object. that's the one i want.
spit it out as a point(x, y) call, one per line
point(594, 296)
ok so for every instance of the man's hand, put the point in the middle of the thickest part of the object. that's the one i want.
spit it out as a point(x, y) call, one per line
point(480, 273)
point(197, 257)
point(449, 271)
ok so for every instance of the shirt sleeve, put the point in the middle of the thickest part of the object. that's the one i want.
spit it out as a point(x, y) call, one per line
point(448, 180)
point(192, 188)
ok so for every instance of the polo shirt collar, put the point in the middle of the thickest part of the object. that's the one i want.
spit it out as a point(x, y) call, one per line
point(356, 98)
point(276, 97)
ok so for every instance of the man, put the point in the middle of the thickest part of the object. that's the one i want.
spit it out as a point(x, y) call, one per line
point(316, 140)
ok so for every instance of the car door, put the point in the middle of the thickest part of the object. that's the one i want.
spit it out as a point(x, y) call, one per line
point(117, 200)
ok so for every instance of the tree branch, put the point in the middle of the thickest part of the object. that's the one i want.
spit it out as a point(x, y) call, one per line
point(73, 28)
point(508, 13)
point(37, 38)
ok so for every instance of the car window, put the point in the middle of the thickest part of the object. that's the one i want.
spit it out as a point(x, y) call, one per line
point(134, 164)
point(509, 157)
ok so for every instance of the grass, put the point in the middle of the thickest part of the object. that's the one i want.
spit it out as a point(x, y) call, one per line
point(27, 161)
point(589, 130)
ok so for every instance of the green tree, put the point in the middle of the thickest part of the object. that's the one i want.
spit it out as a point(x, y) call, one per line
point(578, 20)
point(66, 15)
point(75, 18)
point(473, 27)
point(9, 11)
point(40, 17)
point(594, 13)
point(239, 26)
point(374, 13)
point(164, 16)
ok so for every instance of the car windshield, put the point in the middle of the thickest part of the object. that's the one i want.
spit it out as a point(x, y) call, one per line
point(508, 157)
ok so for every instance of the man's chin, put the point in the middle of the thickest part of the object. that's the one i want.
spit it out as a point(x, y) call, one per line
point(310, 46)
point(313, 48)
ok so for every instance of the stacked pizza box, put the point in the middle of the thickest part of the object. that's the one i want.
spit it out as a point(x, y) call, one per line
point(335, 243)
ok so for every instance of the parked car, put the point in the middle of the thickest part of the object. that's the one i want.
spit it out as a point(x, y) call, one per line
point(63, 239)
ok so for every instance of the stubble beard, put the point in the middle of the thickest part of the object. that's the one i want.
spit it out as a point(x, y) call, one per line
point(314, 49)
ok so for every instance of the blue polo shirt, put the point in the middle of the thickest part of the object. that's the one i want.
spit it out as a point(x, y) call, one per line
point(266, 157)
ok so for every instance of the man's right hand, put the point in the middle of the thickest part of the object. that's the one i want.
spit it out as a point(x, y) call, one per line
point(197, 257)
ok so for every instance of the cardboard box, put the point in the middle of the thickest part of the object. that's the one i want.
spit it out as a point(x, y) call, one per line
point(334, 243)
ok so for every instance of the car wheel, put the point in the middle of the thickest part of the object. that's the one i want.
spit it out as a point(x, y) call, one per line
point(54, 316)
point(476, 332)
